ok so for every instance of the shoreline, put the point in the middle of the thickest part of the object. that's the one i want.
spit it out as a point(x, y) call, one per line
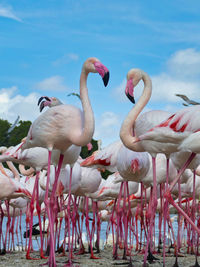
point(18, 259)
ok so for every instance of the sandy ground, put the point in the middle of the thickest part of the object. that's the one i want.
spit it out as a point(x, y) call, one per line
point(18, 259)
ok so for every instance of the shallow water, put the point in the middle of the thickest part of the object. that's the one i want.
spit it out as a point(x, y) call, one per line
point(16, 259)
point(18, 242)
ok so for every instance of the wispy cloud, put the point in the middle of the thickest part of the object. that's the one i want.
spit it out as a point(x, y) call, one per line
point(7, 12)
point(107, 125)
point(66, 59)
point(13, 104)
point(54, 83)
point(185, 64)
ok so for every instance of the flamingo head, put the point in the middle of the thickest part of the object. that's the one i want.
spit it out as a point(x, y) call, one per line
point(49, 101)
point(133, 78)
point(93, 64)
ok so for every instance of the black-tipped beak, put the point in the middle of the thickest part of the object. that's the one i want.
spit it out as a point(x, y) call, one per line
point(40, 100)
point(106, 78)
point(131, 98)
point(42, 106)
point(43, 97)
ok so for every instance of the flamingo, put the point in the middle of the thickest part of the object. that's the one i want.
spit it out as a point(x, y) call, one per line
point(170, 136)
point(179, 131)
point(133, 126)
point(50, 102)
point(90, 181)
point(61, 126)
point(104, 158)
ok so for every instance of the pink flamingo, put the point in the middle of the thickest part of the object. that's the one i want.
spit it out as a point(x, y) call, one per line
point(104, 158)
point(50, 102)
point(61, 126)
point(133, 127)
point(180, 131)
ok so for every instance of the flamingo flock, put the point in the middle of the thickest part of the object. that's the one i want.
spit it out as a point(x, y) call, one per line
point(155, 172)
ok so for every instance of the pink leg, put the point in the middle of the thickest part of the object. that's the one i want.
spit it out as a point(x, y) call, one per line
point(52, 260)
point(20, 229)
point(125, 219)
point(69, 217)
point(31, 207)
point(98, 227)
point(170, 199)
point(52, 203)
point(8, 222)
point(88, 230)
point(166, 206)
point(39, 217)
point(12, 232)
point(1, 234)
point(154, 206)
point(193, 211)
point(118, 212)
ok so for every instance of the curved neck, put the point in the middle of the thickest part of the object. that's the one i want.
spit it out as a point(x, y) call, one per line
point(88, 127)
point(14, 170)
point(127, 128)
point(26, 172)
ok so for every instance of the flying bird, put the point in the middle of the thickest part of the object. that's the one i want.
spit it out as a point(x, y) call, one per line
point(186, 99)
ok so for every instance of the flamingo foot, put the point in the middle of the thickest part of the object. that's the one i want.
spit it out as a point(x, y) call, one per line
point(43, 257)
point(49, 264)
point(130, 264)
point(28, 257)
point(151, 257)
point(124, 255)
point(68, 264)
point(80, 252)
point(62, 254)
point(3, 251)
point(196, 264)
point(115, 257)
point(176, 263)
point(94, 258)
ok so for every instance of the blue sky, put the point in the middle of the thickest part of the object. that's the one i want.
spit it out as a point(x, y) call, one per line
point(43, 45)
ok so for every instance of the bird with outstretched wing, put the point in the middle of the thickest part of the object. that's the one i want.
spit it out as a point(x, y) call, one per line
point(187, 100)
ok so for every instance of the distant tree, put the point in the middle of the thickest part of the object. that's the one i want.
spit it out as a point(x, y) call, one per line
point(85, 152)
point(11, 137)
point(19, 132)
point(4, 126)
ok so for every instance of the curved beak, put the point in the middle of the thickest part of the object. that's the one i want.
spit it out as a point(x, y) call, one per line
point(106, 78)
point(131, 98)
point(129, 91)
point(42, 105)
point(43, 97)
point(103, 71)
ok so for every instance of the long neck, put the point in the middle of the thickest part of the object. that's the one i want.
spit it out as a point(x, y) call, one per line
point(127, 128)
point(14, 170)
point(88, 127)
point(26, 172)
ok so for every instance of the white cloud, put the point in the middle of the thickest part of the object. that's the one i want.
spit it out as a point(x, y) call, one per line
point(107, 127)
point(66, 59)
point(119, 92)
point(185, 64)
point(182, 76)
point(13, 104)
point(166, 86)
point(7, 12)
point(54, 83)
